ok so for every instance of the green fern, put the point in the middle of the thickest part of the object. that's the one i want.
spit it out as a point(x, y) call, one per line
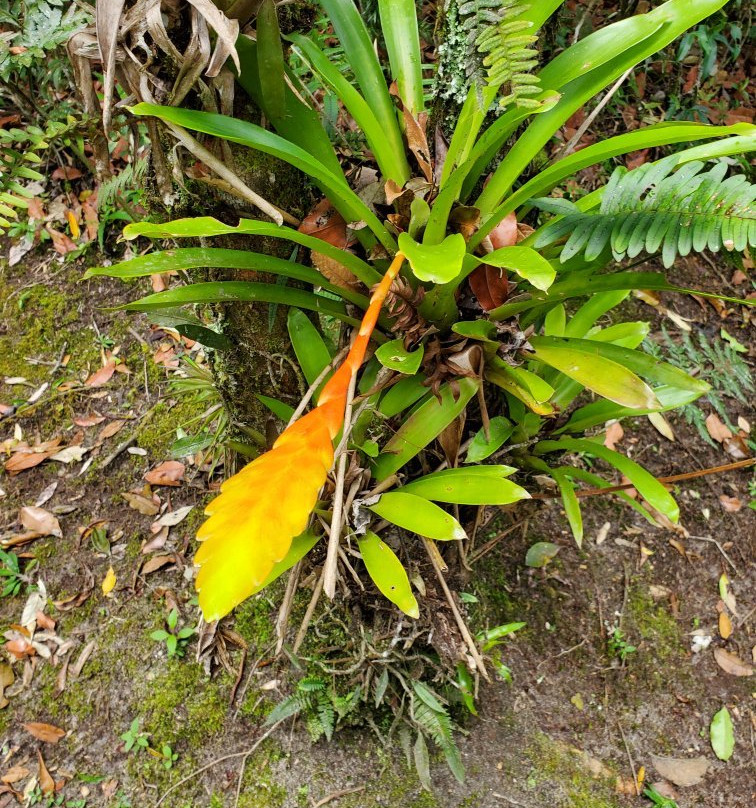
point(432, 720)
point(716, 362)
point(486, 45)
point(504, 40)
point(659, 206)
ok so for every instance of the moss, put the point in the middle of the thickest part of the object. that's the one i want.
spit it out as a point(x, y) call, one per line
point(569, 777)
point(158, 434)
point(182, 708)
point(254, 621)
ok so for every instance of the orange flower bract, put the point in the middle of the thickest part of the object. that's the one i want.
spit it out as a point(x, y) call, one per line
point(262, 508)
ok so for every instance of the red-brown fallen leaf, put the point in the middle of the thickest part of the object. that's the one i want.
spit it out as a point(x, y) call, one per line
point(139, 502)
point(731, 664)
point(636, 159)
point(716, 428)
point(44, 621)
point(14, 774)
point(159, 281)
point(614, 435)
point(103, 375)
point(109, 430)
point(334, 271)
point(88, 420)
point(166, 356)
point(730, 504)
point(736, 447)
point(738, 277)
point(27, 459)
point(66, 173)
point(157, 562)
point(61, 242)
point(691, 79)
point(505, 232)
point(490, 286)
point(47, 733)
point(36, 209)
point(46, 783)
point(91, 220)
point(20, 647)
point(170, 472)
point(40, 521)
point(326, 223)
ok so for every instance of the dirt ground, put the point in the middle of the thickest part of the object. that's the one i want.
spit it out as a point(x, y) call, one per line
point(580, 722)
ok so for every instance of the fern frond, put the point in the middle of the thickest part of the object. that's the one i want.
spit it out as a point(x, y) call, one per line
point(660, 207)
point(130, 178)
point(494, 30)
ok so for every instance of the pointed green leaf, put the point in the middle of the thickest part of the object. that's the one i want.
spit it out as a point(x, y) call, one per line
point(540, 553)
point(309, 346)
point(478, 485)
point(387, 573)
point(418, 515)
point(645, 483)
point(424, 425)
point(722, 734)
point(499, 430)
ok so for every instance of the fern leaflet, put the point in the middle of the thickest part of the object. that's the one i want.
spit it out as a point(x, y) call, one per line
point(658, 206)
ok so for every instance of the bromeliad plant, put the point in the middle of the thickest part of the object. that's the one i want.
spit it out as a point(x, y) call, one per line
point(490, 328)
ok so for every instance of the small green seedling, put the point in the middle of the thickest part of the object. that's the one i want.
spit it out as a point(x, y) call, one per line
point(657, 799)
point(175, 638)
point(618, 646)
point(134, 739)
point(11, 577)
point(168, 755)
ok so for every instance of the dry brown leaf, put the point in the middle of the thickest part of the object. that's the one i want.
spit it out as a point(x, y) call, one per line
point(716, 428)
point(20, 647)
point(731, 664)
point(614, 435)
point(730, 504)
point(113, 428)
point(490, 286)
point(326, 223)
point(170, 472)
point(334, 271)
point(62, 244)
point(157, 562)
point(7, 677)
point(14, 774)
point(505, 234)
point(88, 420)
point(45, 621)
point(736, 447)
point(141, 503)
point(103, 375)
point(40, 521)
point(29, 457)
point(681, 771)
point(46, 783)
point(47, 733)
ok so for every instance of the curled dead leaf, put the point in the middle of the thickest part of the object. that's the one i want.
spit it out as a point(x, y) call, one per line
point(170, 472)
point(103, 375)
point(47, 733)
point(157, 562)
point(732, 664)
point(40, 521)
point(46, 783)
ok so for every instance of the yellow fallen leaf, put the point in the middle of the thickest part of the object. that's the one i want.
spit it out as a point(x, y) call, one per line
point(725, 625)
point(109, 583)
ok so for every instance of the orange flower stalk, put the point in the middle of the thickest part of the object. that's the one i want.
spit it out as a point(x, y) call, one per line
point(262, 508)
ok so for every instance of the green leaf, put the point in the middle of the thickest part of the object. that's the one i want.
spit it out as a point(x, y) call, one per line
point(540, 553)
point(426, 695)
point(422, 761)
point(392, 162)
point(571, 503)
point(425, 424)
point(526, 262)
point(394, 356)
point(387, 573)
point(270, 61)
point(311, 351)
point(300, 546)
point(242, 292)
point(521, 384)
point(400, 32)
point(645, 483)
point(248, 134)
point(499, 430)
point(477, 485)
point(402, 395)
point(722, 734)
point(278, 408)
point(206, 226)
point(196, 257)
point(605, 377)
point(418, 515)
point(644, 365)
point(481, 330)
point(437, 263)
